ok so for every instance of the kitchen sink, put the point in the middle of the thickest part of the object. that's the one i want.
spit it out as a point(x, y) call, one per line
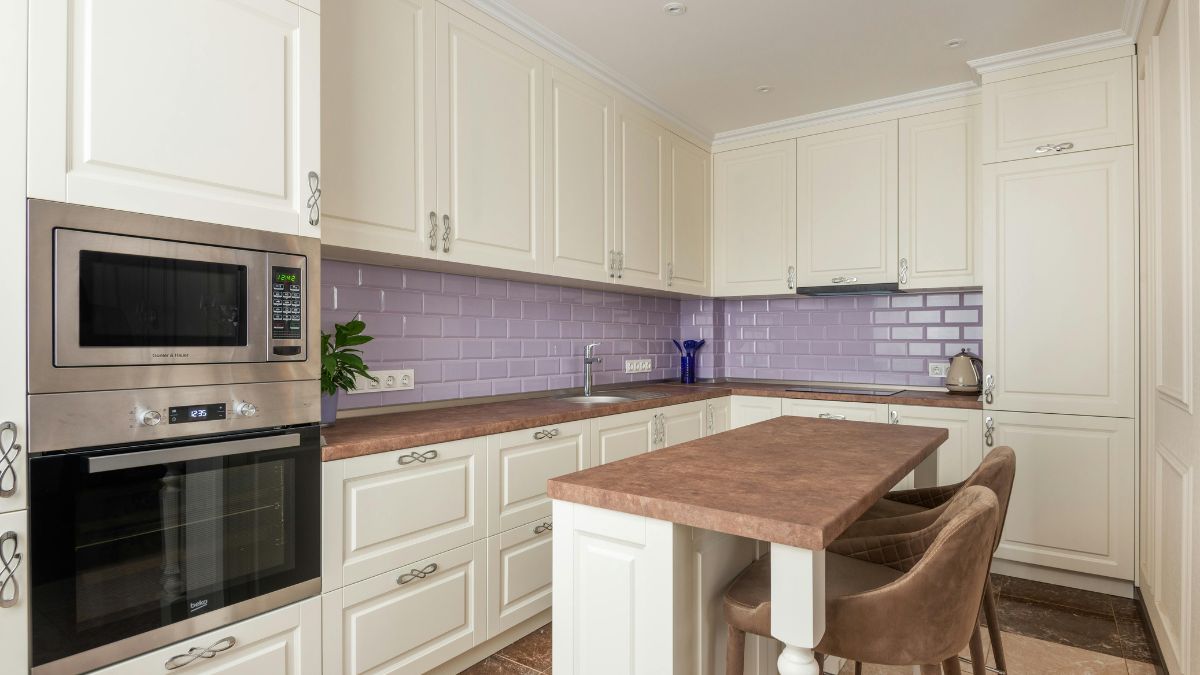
point(622, 397)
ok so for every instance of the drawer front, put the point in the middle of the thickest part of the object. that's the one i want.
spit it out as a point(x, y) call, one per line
point(682, 423)
point(838, 410)
point(1088, 107)
point(520, 463)
point(391, 508)
point(286, 641)
point(620, 436)
point(519, 573)
point(402, 622)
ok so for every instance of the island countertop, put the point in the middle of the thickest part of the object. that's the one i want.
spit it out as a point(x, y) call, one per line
point(790, 480)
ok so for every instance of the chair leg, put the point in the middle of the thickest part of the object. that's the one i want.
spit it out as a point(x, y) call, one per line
point(931, 670)
point(993, 624)
point(735, 652)
point(978, 665)
point(950, 666)
point(858, 668)
point(820, 661)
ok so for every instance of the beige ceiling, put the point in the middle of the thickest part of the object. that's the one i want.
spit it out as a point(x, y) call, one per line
point(704, 66)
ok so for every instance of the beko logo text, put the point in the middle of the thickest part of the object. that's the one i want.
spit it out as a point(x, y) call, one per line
point(170, 355)
point(197, 605)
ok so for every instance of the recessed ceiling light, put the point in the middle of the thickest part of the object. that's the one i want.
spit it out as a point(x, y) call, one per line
point(954, 43)
point(675, 8)
point(763, 89)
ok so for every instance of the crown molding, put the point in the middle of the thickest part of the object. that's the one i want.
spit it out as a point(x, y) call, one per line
point(557, 45)
point(850, 112)
point(1131, 17)
point(1054, 50)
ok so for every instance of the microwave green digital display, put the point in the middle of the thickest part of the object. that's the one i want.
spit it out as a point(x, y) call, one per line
point(286, 277)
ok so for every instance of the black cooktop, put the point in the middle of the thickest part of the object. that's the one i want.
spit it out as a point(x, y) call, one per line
point(855, 392)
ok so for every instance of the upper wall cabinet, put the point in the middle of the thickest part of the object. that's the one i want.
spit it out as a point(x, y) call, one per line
point(190, 108)
point(689, 223)
point(938, 176)
point(754, 220)
point(580, 151)
point(846, 208)
point(642, 206)
point(1068, 110)
point(377, 126)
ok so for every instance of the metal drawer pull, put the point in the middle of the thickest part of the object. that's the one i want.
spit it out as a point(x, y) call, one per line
point(544, 527)
point(989, 429)
point(415, 574)
point(1053, 147)
point(432, 231)
point(894, 417)
point(10, 451)
point(314, 198)
point(844, 280)
point(989, 384)
point(445, 234)
point(10, 560)
point(543, 434)
point(791, 276)
point(415, 456)
point(831, 416)
point(904, 271)
point(200, 653)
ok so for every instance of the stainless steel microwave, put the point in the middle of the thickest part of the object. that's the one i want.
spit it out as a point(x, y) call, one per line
point(127, 301)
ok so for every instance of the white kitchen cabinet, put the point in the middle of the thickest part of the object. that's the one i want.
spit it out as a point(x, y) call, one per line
point(409, 620)
point(1060, 321)
point(1060, 111)
point(689, 222)
point(381, 511)
point(719, 411)
point(754, 220)
point(846, 206)
point(682, 423)
point(959, 455)
point(642, 205)
point(192, 109)
point(489, 106)
point(836, 410)
point(619, 436)
point(285, 641)
point(938, 239)
point(377, 127)
point(1073, 504)
point(746, 410)
point(14, 560)
point(580, 155)
point(519, 574)
point(520, 463)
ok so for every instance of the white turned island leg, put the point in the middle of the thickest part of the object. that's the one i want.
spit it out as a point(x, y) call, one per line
point(797, 606)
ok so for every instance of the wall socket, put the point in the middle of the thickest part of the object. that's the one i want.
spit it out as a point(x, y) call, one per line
point(637, 365)
point(389, 380)
point(939, 369)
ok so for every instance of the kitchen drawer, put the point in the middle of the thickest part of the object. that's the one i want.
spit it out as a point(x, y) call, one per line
point(408, 620)
point(838, 410)
point(285, 641)
point(1088, 107)
point(381, 511)
point(520, 463)
point(519, 572)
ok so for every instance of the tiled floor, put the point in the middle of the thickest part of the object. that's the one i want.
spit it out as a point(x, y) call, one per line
point(1047, 629)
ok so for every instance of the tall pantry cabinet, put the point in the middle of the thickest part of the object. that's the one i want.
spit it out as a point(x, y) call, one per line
point(1059, 197)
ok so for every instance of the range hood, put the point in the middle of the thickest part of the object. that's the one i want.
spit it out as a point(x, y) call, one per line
point(850, 289)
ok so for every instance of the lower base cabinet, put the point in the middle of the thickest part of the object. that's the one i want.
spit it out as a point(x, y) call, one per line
point(746, 410)
point(720, 414)
point(682, 423)
point(519, 572)
point(619, 436)
point(285, 641)
point(14, 561)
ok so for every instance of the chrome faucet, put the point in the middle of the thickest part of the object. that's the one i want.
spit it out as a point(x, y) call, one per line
point(588, 361)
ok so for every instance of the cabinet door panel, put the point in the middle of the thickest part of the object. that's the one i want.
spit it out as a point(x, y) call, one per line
point(754, 219)
point(641, 199)
point(719, 415)
point(489, 111)
point(682, 423)
point(520, 465)
point(520, 571)
point(846, 205)
point(689, 222)
point(14, 620)
point(837, 410)
point(959, 455)
point(619, 436)
point(1060, 319)
point(377, 125)
point(746, 410)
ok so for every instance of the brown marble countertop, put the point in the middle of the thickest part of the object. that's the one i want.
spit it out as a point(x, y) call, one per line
point(357, 436)
point(792, 480)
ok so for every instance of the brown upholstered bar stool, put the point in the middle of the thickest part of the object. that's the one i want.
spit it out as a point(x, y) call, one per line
point(899, 599)
point(909, 510)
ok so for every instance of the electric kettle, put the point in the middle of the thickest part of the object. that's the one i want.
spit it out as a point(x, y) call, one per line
point(965, 374)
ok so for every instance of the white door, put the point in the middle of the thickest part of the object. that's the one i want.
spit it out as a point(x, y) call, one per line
point(754, 220)
point(1072, 505)
point(642, 205)
point(520, 463)
point(519, 573)
point(746, 410)
point(1060, 321)
point(682, 423)
point(719, 415)
point(489, 140)
point(193, 109)
point(959, 455)
point(938, 179)
point(689, 223)
point(377, 127)
point(619, 436)
point(580, 153)
point(836, 410)
point(1060, 111)
point(846, 206)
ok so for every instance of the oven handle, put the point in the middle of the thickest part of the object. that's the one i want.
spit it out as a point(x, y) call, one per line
point(133, 460)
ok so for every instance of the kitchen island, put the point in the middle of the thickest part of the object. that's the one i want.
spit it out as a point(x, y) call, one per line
point(644, 546)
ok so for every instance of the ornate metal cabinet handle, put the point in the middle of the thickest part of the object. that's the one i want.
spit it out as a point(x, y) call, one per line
point(194, 653)
point(989, 429)
point(894, 417)
point(445, 233)
point(612, 263)
point(10, 560)
point(989, 384)
point(831, 416)
point(844, 280)
point(544, 527)
point(415, 456)
point(314, 198)
point(10, 452)
point(414, 574)
point(903, 271)
point(791, 277)
point(432, 231)
point(710, 418)
point(1053, 147)
point(620, 264)
point(543, 434)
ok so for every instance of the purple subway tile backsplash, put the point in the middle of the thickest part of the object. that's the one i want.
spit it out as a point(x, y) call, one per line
point(472, 336)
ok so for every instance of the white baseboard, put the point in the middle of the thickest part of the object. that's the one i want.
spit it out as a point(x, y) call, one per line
point(1049, 575)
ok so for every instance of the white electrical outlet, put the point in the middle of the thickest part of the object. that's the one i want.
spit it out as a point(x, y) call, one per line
point(637, 365)
point(389, 380)
point(939, 369)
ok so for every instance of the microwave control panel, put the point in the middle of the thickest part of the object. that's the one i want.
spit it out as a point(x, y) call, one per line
point(287, 304)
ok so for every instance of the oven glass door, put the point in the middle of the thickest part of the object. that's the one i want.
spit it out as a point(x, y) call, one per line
point(128, 542)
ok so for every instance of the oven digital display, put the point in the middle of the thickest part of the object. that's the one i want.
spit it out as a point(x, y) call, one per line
point(196, 413)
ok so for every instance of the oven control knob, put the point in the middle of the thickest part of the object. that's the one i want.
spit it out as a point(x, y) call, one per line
point(247, 409)
point(151, 418)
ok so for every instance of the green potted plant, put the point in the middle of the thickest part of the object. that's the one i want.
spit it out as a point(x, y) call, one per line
point(341, 363)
